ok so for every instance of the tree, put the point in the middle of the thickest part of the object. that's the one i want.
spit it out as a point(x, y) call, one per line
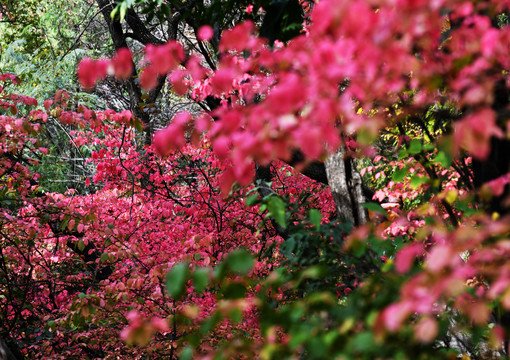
point(44, 53)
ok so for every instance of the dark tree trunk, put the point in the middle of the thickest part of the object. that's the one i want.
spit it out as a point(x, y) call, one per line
point(264, 176)
point(9, 352)
point(144, 36)
point(498, 162)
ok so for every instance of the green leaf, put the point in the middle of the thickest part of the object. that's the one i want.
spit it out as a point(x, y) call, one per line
point(315, 218)
point(220, 271)
point(104, 257)
point(123, 10)
point(417, 180)
point(374, 207)
point(239, 261)
point(233, 291)
point(81, 245)
point(187, 353)
point(276, 207)
point(415, 147)
point(210, 323)
point(288, 247)
point(235, 315)
point(314, 272)
point(176, 280)
point(200, 279)
point(165, 9)
point(63, 224)
point(363, 342)
point(444, 159)
point(317, 348)
point(252, 200)
point(459, 63)
point(138, 125)
point(114, 12)
point(399, 174)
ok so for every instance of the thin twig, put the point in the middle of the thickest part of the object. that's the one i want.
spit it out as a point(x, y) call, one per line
point(81, 34)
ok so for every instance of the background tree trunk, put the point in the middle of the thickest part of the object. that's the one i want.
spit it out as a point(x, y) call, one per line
point(346, 187)
point(6, 353)
point(145, 37)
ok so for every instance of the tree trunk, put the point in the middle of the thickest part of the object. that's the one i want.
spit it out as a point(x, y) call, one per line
point(498, 162)
point(6, 352)
point(346, 187)
point(143, 35)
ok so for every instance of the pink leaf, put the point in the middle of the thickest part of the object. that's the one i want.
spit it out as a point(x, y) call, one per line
point(123, 63)
point(426, 330)
point(395, 314)
point(406, 256)
point(149, 78)
point(90, 71)
point(205, 33)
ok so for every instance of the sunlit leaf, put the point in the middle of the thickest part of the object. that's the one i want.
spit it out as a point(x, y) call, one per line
point(276, 207)
point(176, 280)
point(239, 261)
